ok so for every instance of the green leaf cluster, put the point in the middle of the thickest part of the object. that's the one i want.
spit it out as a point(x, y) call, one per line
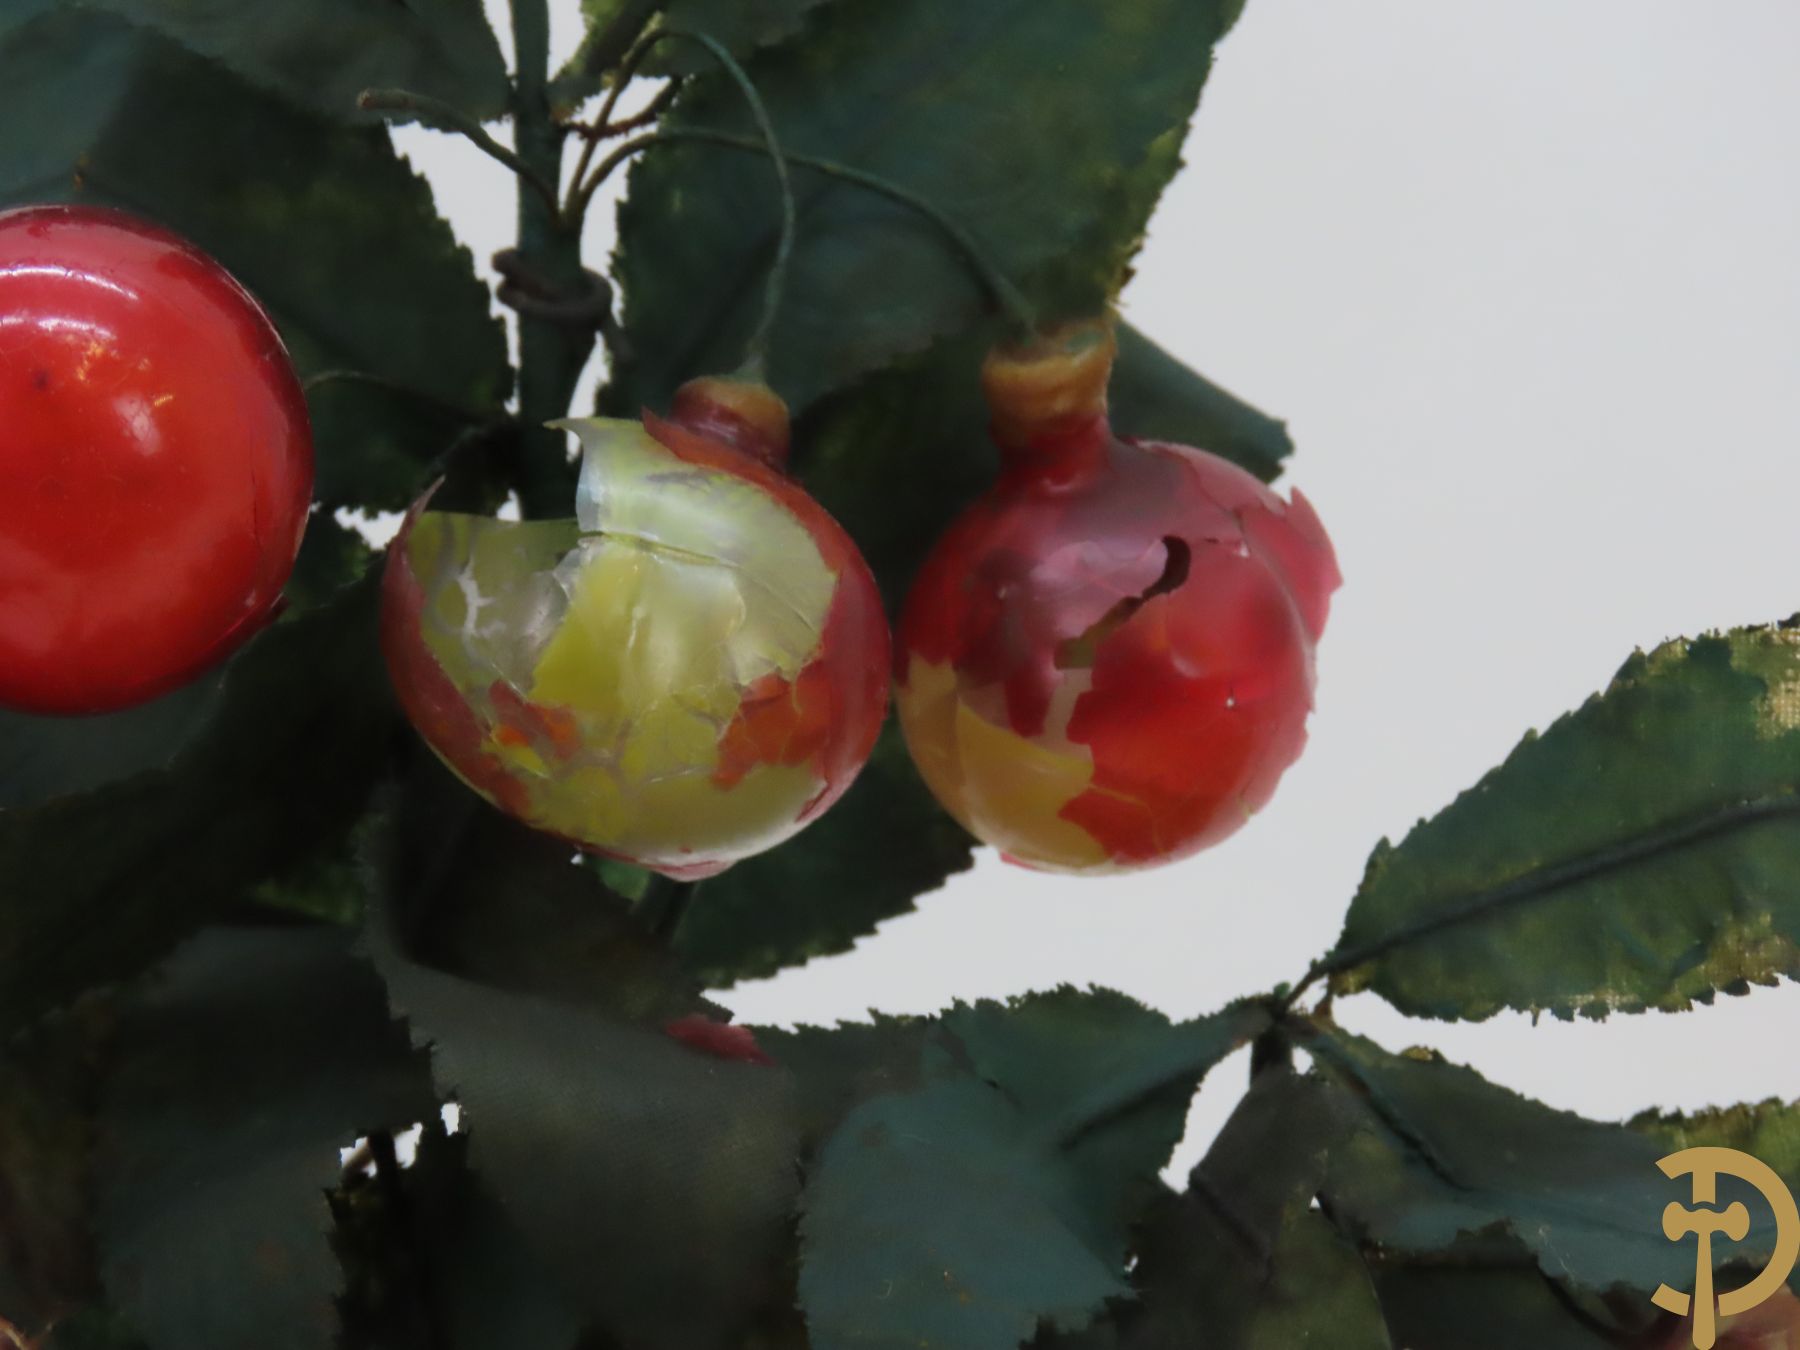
point(303, 1046)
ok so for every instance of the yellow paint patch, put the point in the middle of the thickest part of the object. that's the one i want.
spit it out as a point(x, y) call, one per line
point(1004, 788)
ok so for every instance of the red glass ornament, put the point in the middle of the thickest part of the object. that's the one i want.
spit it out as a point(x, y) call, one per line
point(1106, 663)
point(155, 461)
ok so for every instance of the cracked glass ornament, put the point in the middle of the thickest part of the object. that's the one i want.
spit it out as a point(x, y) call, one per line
point(156, 463)
point(1106, 663)
point(686, 674)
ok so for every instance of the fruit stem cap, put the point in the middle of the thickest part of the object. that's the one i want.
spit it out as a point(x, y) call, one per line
point(742, 412)
point(1056, 380)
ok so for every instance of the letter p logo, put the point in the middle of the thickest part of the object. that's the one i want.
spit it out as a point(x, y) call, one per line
point(1733, 1222)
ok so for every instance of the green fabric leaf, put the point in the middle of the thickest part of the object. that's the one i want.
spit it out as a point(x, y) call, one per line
point(431, 1249)
point(1767, 1130)
point(830, 885)
point(932, 1219)
point(252, 1057)
point(1641, 853)
point(46, 757)
point(91, 1329)
point(1241, 1259)
point(838, 1068)
point(1111, 1079)
point(740, 26)
point(993, 1184)
point(1437, 1152)
point(101, 884)
point(47, 1263)
point(1154, 397)
point(1053, 169)
point(575, 1111)
point(320, 54)
point(326, 225)
point(1499, 1300)
point(516, 911)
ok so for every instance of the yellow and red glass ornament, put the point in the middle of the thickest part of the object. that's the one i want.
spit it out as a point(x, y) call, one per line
point(683, 676)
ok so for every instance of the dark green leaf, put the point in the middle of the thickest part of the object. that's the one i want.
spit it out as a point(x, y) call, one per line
point(1498, 1300)
point(101, 884)
point(1156, 398)
point(838, 1068)
point(326, 225)
point(320, 54)
point(47, 1264)
point(1641, 853)
point(1768, 1131)
point(1308, 1287)
point(1241, 1259)
point(1047, 131)
point(430, 1250)
point(994, 1181)
point(896, 457)
point(46, 757)
point(740, 26)
point(91, 1329)
point(1437, 1152)
point(576, 1113)
point(932, 1219)
point(1111, 1080)
point(832, 884)
point(251, 1059)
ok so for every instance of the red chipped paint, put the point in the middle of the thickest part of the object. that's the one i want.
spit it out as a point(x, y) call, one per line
point(427, 695)
point(523, 722)
point(720, 1039)
point(831, 713)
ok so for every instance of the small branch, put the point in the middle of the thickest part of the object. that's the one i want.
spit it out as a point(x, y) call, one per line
point(1010, 297)
point(606, 131)
point(611, 46)
point(552, 354)
point(436, 112)
point(664, 904)
point(574, 209)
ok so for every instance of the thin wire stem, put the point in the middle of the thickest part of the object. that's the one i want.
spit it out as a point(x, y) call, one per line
point(1009, 296)
point(758, 343)
point(446, 117)
point(576, 209)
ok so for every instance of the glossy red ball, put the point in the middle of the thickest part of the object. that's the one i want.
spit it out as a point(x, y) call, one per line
point(155, 461)
point(1107, 662)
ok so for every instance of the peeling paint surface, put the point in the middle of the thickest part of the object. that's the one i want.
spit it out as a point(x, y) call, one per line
point(1107, 661)
point(682, 676)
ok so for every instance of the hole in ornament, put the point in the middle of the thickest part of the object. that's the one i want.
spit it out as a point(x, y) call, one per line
point(1078, 652)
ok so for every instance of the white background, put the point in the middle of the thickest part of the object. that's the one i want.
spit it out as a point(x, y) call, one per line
point(1525, 279)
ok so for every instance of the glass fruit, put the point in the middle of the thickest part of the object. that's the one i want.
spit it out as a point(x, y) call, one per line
point(155, 461)
point(683, 676)
point(1106, 662)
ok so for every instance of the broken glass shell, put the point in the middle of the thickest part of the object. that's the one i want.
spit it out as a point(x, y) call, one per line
point(684, 675)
